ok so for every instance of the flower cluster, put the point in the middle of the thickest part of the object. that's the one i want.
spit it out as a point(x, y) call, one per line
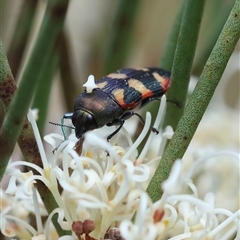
point(101, 192)
point(181, 213)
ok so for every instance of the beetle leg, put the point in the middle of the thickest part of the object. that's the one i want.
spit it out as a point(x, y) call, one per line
point(146, 101)
point(175, 103)
point(153, 129)
point(65, 116)
point(120, 122)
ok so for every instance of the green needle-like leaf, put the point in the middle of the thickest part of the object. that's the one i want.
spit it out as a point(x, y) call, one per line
point(168, 56)
point(199, 101)
point(169, 51)
point(21, 34)
point(183, 60)
point(41, 97)
point(16, 112)
point(13, 122)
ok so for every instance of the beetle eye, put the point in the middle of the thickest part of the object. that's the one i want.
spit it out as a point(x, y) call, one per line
point(83, 121)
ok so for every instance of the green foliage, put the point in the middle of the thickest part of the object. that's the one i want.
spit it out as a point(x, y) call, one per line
point(199, 100)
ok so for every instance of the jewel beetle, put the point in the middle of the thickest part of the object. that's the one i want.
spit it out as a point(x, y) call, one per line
point(115, 98)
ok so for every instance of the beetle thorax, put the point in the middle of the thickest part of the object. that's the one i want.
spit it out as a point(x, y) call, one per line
point(94, 110)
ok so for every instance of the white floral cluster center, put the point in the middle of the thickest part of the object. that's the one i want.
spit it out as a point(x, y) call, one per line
point(106, 183)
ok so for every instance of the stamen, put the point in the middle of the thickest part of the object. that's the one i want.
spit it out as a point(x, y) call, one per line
point(37, 211)
point(141, 136)
point(38, 138)
point(156, 125)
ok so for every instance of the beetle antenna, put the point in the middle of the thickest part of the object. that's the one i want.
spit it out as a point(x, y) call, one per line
point(61, 125)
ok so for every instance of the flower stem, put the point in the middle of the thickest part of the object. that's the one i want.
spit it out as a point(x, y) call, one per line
point(43, 91)
point(169, 51)
point(183, 60)
point(168, 56)
point(214, 27)
point(21, 34)
point(199, 101)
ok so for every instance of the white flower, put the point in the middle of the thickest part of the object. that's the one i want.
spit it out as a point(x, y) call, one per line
point(96, 184)
point(105, 186)
point(14, 216)
point(181, 213)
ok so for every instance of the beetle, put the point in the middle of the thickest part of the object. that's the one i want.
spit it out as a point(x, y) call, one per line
point(115, 98)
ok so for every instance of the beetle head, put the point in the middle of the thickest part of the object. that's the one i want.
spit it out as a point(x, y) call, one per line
point(83, 121)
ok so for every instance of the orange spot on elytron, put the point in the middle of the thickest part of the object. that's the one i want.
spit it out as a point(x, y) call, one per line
point(138, 86)
point(102, 84)
point(117, 75)
point(164, 81)
point(119, 96)
point(159, 77)
point(142, 69)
